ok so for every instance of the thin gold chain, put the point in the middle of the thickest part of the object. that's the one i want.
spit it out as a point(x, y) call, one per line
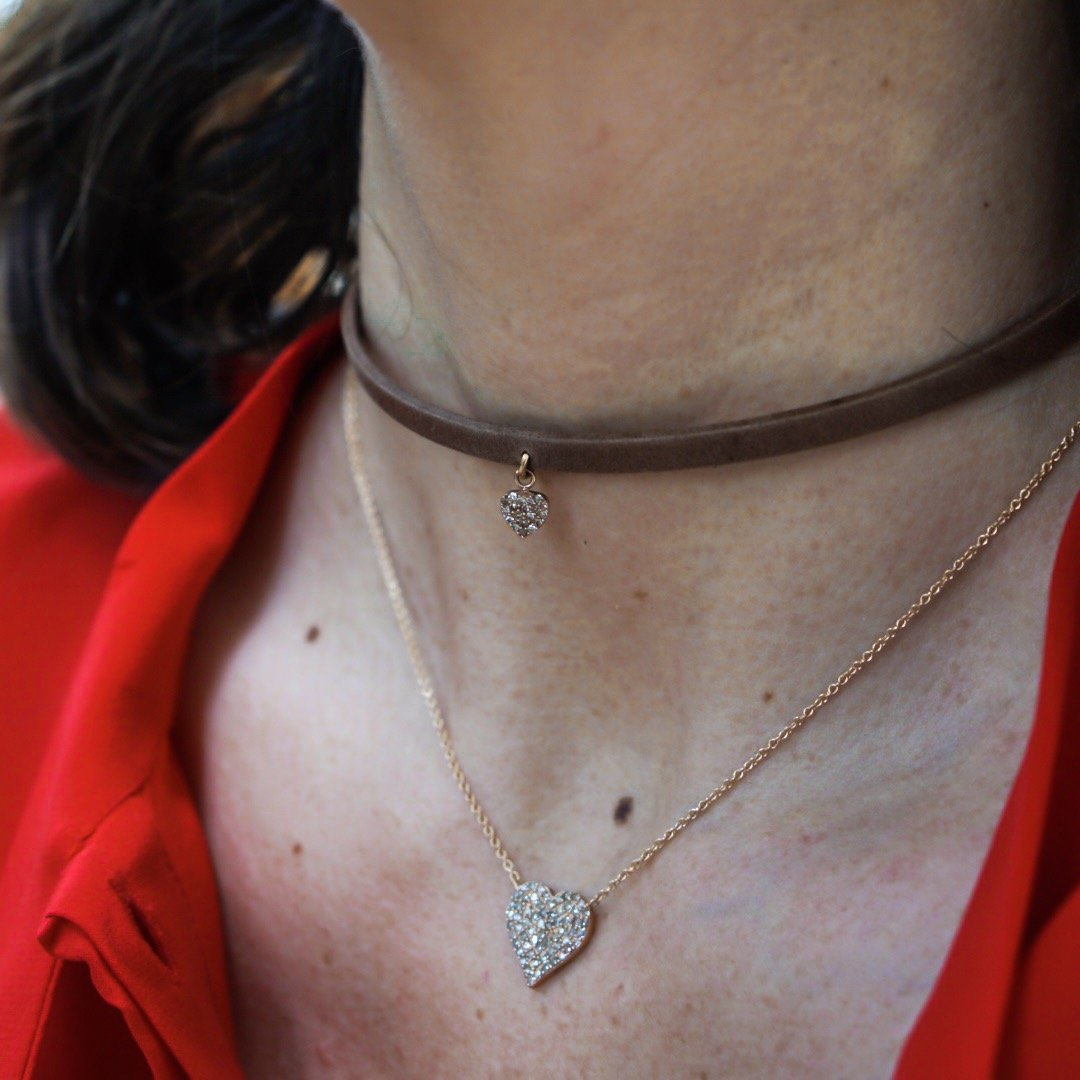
point(427, 688)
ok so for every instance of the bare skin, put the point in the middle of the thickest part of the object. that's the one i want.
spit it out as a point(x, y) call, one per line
point(549, 234)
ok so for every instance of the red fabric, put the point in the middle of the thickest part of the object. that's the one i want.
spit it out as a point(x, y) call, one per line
point(111, 952)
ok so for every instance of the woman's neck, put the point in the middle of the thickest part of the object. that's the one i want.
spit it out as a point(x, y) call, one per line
point(583, 221)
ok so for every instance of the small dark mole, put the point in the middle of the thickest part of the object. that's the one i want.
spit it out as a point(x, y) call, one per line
point(767, 696)
point(479, 1014)
point(986, 205)
point(619, 989)
point(298, 848)
point(615, 1021)
point(886, 83)
point(312, 634)
point(327, 958)
point(623, 809)
point(641, 594)
point(464, 596)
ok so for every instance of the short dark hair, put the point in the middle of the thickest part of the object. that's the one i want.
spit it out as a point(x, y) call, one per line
point(166, 169)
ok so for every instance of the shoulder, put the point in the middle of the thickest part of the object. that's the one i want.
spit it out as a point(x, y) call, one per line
point(98, 592)
point(58, 535)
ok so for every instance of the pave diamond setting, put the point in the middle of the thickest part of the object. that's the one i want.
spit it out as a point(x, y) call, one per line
point(524, 511)
point(546, 929)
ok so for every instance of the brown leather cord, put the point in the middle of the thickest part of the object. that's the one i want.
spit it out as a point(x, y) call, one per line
point(1034, 339)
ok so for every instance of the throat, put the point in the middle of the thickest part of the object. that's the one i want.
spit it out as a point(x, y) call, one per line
point(662, 628)
point(538, 248)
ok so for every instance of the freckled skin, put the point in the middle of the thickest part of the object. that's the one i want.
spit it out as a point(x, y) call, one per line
point(826, 891)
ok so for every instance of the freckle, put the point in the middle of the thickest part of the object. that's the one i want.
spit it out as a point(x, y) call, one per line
point(543, 1010)
point(619, 990)
point(603, 133)
point(623, 809)
point(767, 696)
point(479, 1014)
point(298, 848)
point(312, 635)
point(328, 958)
point(464, 596)
point(324, 1056)
point(641, 594)
point(886, 83)
point(615, 1021)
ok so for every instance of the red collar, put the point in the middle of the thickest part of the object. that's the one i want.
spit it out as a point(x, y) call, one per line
point(109, 865)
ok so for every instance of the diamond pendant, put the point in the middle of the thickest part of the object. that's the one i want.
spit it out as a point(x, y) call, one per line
point(524, 510)
point(546, 929)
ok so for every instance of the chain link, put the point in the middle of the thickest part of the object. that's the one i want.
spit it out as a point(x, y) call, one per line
point(427, 689)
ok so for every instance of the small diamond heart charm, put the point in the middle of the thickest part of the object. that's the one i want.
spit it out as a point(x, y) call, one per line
point(524, 511)
point(546, 929)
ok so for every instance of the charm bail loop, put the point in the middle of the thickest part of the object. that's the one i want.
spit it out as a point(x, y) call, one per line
point(524, 475)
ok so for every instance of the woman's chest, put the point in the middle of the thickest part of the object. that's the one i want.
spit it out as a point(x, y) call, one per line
point(795, 930)
point(365, 916)
point(377, 963)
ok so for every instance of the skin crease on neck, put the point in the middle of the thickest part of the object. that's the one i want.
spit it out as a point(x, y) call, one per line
point(596, 215)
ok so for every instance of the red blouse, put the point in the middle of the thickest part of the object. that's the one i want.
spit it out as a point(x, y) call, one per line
point(112, 962)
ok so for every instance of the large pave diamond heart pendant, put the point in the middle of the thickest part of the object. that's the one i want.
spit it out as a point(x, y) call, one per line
point(524, 510)
point(547, 929)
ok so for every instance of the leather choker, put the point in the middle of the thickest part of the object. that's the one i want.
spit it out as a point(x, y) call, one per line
point(1032, 340)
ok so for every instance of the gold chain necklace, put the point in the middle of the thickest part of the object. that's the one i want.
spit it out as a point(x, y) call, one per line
point(547, 928)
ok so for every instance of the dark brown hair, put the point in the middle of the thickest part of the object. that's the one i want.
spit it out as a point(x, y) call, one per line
point(166, 169)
